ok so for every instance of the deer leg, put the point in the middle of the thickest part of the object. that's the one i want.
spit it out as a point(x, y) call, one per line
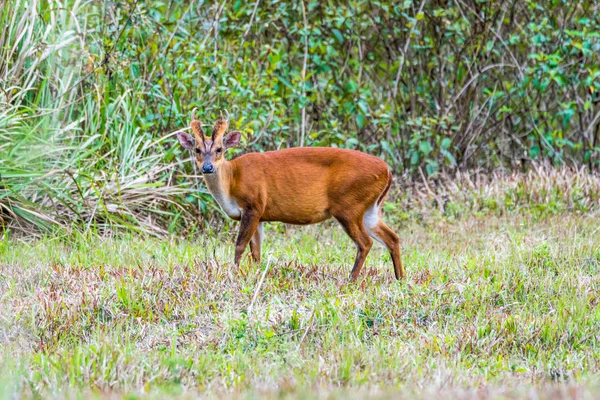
point(255, 243)
point(383, 234)
point(357, 232)
point(248, 224)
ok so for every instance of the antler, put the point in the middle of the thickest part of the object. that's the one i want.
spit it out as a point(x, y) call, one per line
point(220, 126)
point(197, 127)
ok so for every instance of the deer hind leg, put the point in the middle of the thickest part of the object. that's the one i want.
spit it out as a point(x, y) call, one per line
point(255, 243)
point(379, 231)
point(357, 232)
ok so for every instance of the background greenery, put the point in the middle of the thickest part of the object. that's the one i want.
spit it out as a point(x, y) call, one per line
point(92, 91)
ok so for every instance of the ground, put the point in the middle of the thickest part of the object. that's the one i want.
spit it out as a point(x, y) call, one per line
point(494, 306)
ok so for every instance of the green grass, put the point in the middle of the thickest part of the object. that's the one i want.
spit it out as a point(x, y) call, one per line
point(502, 306)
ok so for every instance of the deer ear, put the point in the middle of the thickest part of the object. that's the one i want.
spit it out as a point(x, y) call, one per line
point(232, 139)
point(186, 140)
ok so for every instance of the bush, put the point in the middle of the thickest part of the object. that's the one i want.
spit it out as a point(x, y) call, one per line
point(92, 93)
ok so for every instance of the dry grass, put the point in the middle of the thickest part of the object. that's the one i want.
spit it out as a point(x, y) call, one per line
point(143, 203)
point(543, 189)
point(493, 307)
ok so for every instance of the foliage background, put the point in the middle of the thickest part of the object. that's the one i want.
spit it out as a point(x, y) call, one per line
point(91, 93)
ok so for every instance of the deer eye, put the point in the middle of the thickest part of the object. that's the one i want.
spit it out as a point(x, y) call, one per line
point(220, 149)
point(197, 150)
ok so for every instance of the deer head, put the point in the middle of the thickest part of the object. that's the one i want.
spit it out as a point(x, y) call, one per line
point(209, 150)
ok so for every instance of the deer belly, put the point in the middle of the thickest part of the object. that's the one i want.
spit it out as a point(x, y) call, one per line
point(295, 211)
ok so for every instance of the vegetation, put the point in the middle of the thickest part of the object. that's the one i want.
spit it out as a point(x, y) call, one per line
point(115, 274)
point(93, 91)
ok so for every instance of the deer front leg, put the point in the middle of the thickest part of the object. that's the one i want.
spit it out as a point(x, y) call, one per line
point(256, 242)
point(248, 224)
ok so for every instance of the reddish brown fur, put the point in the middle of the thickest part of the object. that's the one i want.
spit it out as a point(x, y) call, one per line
point(307, 185)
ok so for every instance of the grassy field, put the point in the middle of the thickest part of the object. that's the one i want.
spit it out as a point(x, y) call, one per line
point(494, 306)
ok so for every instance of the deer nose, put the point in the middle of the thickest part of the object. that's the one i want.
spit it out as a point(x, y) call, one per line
point(208, 169)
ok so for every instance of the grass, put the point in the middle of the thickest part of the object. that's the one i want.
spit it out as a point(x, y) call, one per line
point(494, 306)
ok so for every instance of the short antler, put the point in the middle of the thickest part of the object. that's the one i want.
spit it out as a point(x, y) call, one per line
point(221, 125)
point(197, 127)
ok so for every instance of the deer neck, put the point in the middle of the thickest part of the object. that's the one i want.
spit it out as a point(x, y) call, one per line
point(219, 185)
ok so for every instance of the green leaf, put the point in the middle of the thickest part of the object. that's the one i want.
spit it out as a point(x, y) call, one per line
point(425, 147)
point(284, 81)
point(414, 159)
point(360, 120)
point(449, 157)
point(534, 151)
point(351, 143)
point(559, 79)
point(338, 36)
point(446, 142)
point(363, 105)
point(431, 167)
point(352, 86)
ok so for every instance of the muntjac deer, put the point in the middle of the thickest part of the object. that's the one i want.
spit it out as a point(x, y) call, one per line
point(296, 186)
